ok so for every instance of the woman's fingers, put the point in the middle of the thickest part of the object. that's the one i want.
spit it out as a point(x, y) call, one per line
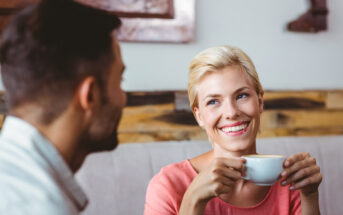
point(220, 184)
point(217, 178)
point(297, 162)
point(301, 170)
point(223, 173)
point(222, 180)
point(313, 180)
point(302, 173)
point(219, 189)
point(235, 163)
point(295, 158)
point(229, 167)
point(228, 173)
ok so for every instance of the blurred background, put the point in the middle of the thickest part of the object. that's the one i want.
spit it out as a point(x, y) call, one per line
point(300, 71)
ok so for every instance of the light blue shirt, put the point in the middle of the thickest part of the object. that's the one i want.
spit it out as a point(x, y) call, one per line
point(34, 178)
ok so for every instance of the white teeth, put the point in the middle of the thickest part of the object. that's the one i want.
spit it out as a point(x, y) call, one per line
point(235, 128)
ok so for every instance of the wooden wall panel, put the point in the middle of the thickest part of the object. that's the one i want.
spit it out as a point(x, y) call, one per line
point(335, 100)
point(287, 113)
point(154, 116)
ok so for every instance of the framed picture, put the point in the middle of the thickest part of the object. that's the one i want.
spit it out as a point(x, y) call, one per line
point(152, 20)
point(143, 20)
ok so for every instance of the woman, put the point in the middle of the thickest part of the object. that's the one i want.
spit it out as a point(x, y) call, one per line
point(227, 100)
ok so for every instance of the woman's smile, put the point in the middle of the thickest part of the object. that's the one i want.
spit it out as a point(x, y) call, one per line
point(235, 129)
point(229, 109)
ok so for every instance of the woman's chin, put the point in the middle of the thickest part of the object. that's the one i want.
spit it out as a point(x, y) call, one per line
point(236, 144)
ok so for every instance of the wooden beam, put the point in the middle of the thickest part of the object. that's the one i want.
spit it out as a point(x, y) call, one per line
point(158, 116)
point(335, 99)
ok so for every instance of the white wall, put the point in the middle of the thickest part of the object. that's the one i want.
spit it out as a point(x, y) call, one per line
point(284, 60)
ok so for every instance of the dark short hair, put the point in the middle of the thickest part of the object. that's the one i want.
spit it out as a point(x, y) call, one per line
point(49, 48)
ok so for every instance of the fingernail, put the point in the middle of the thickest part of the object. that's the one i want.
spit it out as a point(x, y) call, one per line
point(283, 183)
point(291, 188)
point(287, 163)
point(284, 173)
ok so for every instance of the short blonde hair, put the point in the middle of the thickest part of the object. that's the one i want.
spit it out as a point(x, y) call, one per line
point(214, 59)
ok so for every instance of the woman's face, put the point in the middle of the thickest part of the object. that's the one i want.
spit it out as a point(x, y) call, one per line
point(229, 110)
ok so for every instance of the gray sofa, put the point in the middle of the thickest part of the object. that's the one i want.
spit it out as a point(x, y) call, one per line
point(115, 181)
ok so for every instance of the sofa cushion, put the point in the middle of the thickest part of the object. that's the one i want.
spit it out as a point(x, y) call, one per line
point(115, 181)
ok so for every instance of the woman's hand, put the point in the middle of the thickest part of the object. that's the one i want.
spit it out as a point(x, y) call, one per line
point(302, 171)
point(218, 178)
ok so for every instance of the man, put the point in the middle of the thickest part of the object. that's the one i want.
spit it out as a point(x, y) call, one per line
point(62, 69)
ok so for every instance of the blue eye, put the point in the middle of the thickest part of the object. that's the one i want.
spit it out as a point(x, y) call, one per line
point(243, 95)
point(212, 102)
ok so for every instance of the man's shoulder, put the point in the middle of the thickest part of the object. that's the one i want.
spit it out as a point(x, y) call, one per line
point(29, 192)
point(35, 206)
point(24, 175)
point(19, 184)
point(20, 159)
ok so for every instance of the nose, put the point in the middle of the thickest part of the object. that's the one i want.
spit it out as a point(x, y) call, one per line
point(231, 111)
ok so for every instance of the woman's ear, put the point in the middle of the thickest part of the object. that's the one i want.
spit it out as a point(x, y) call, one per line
point(198, 116)
point(260, 101)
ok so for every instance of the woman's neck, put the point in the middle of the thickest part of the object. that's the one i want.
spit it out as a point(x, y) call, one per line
point(218, 151)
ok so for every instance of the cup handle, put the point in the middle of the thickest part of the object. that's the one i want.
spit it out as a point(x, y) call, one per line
point(246, 176)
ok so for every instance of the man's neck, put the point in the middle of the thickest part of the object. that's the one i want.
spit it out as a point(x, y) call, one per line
point(62, 132)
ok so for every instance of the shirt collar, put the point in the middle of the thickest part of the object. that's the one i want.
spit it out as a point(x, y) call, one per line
point(65, 177)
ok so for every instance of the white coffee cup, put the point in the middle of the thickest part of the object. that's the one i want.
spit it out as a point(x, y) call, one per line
point(263, 170)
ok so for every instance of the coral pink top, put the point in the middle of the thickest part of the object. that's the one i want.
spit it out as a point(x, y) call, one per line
point(166, 189)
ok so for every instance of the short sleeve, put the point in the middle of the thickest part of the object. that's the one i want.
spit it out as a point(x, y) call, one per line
point(159, 199)
point(166, 189)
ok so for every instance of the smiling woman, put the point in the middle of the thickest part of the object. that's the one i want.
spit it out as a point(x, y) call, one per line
point(229, 110)
point(227, 101)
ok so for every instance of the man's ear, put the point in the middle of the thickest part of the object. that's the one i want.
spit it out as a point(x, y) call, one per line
point(197, 116)
point(260, 101)
point(88, 93)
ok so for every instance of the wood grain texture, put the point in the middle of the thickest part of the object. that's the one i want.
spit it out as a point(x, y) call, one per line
point(157, 116)
point(335, 100)
point(286, 113)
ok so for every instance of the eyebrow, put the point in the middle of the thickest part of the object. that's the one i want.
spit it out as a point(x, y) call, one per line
point(219, 95)
point(242, 89)
point(211, 96)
